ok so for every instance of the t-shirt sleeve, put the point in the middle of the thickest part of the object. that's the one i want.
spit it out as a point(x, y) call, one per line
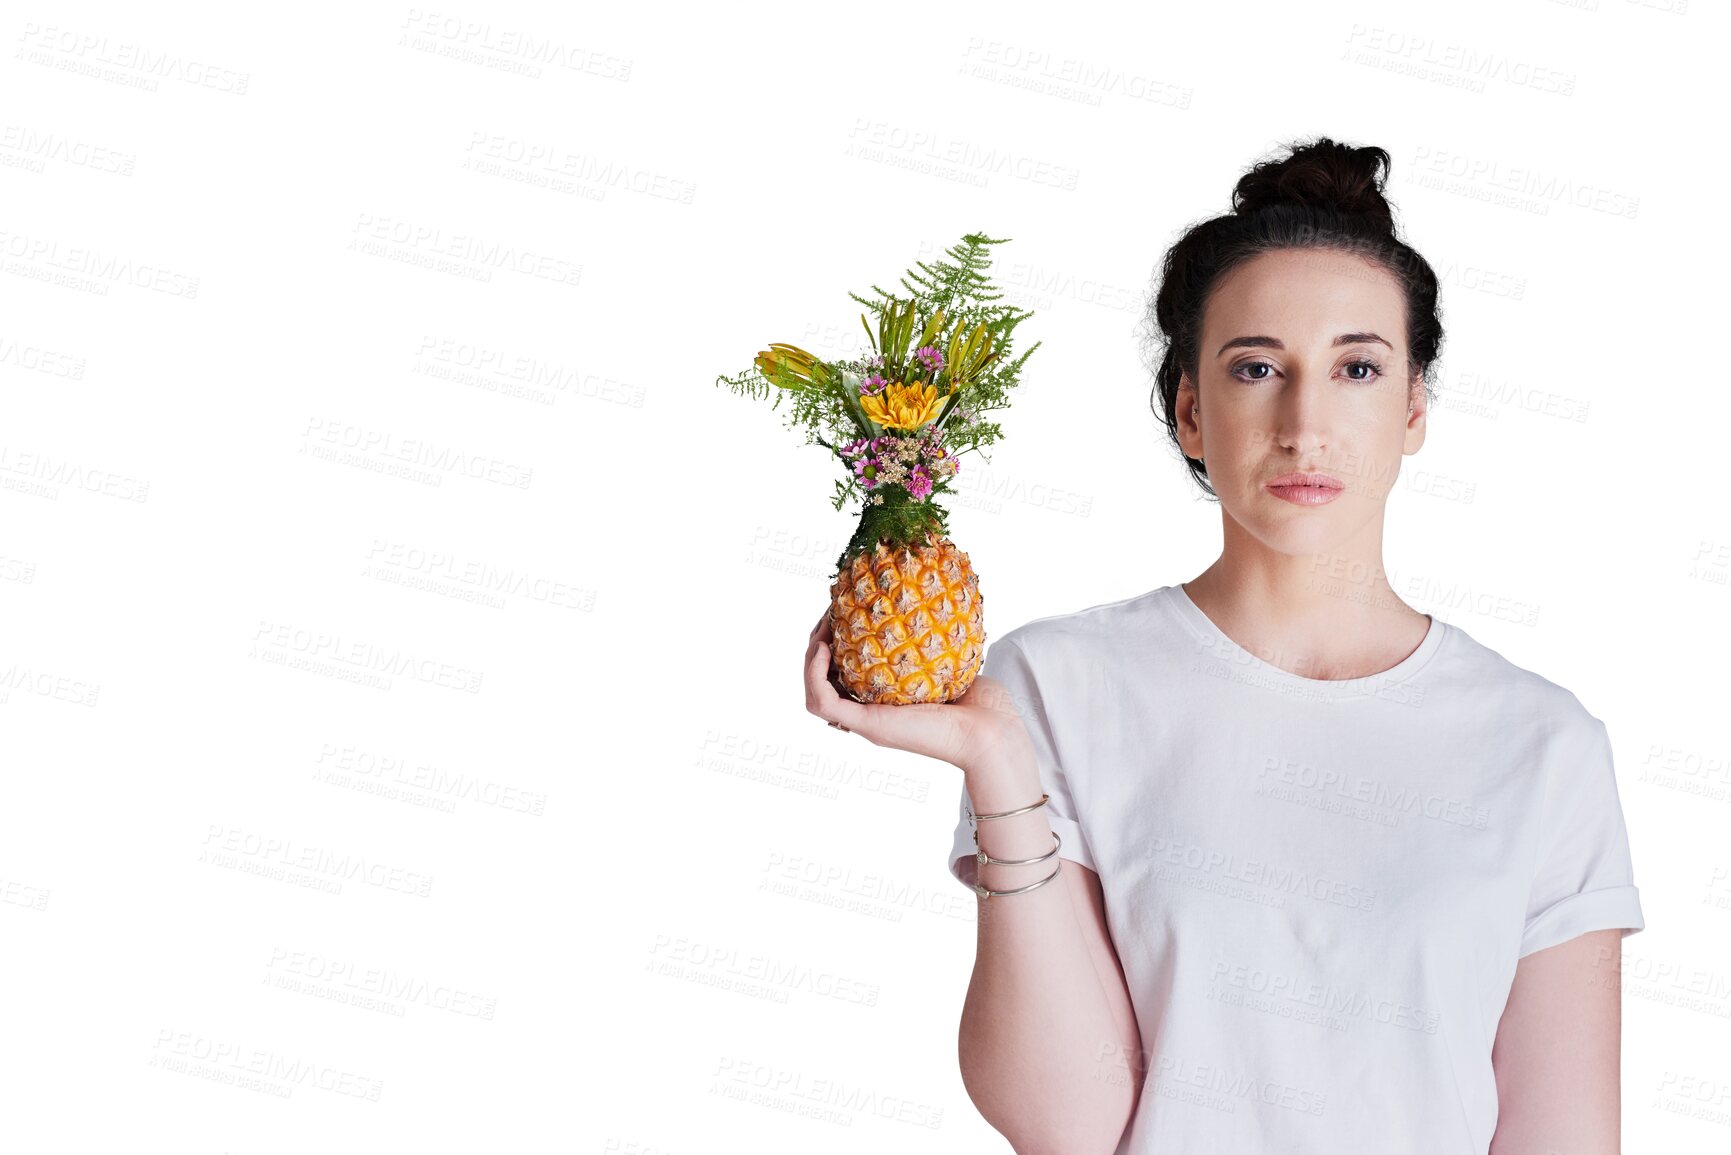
point(1584, 879)
point(1007, 663)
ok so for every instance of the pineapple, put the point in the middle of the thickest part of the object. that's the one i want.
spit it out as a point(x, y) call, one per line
point(907, 623)
point(905, 605)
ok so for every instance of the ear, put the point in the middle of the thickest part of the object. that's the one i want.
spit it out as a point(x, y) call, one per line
point(1418, 407)
point(1186, 414)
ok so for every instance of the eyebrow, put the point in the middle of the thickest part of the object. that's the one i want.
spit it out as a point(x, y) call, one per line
point(1275, 342)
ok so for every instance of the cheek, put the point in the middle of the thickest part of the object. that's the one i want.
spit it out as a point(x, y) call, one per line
point(1366, 431)
point(1239, 435)
point(1371, 418)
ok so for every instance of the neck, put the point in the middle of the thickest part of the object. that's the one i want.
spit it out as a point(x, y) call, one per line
point(1319, 615)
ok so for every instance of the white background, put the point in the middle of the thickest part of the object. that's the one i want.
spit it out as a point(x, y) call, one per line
point(400, 702)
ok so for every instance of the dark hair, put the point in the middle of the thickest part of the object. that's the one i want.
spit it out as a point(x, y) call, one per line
point(1321, 195)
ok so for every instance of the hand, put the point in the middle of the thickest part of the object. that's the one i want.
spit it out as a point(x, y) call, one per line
point(975, 729)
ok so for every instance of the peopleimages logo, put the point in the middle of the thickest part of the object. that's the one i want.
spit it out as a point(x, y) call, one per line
point(315, 651)
point(226, 1061)
point(1281, 880)
point(286, 855)
point(382, 444)
point(324, 976)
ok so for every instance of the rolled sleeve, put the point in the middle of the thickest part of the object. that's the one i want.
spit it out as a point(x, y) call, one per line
point(1007, 663)
point(1584, 877)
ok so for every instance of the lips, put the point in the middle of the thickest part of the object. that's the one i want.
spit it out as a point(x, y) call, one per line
point(1305, 480)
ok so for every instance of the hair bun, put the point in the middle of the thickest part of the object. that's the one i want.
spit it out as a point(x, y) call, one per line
point(1321, 174)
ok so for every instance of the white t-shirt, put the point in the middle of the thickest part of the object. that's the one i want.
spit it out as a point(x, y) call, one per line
point(1318, 889)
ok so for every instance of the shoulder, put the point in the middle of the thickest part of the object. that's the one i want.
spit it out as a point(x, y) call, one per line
point(1077, 634)
point(1513, 693)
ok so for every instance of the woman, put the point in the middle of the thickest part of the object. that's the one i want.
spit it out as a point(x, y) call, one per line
point(1326, 874)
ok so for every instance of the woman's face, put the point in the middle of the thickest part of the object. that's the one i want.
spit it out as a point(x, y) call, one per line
point(1304, 368)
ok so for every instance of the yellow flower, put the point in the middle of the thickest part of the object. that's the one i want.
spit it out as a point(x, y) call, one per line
point(904, 406)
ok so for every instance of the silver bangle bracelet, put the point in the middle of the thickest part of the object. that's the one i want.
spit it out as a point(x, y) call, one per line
point(984, 893)
point(987, 860)
point(974, 819)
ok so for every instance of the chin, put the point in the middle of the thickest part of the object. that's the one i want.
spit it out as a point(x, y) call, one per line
point(1295, 530)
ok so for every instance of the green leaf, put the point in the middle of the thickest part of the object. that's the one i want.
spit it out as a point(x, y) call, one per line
point(932, 326)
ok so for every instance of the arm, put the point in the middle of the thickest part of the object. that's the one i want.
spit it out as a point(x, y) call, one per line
point(1558, 1048)
point(1049, 1046)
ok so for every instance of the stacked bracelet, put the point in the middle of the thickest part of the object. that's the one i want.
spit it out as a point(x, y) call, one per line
point(986, 859)
point(984, 893)
point(977, 818)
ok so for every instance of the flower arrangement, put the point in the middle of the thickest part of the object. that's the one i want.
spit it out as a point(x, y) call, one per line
point(900, 417)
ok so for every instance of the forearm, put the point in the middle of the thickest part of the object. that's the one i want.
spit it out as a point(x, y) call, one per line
point(1046, 1051)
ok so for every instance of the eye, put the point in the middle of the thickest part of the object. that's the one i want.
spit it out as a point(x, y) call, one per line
point(1375, 369)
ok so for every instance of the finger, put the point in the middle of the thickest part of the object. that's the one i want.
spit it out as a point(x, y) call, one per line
point(819, 633)
point(820, 687)
point(820, 636)
point(824, 690)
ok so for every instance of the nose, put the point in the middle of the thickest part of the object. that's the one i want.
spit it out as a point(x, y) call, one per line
point(1302, 417)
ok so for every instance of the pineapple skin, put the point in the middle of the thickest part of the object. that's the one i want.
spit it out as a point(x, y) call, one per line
point(907, 623)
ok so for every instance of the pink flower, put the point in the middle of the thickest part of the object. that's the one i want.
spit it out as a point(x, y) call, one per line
point(919, 483)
